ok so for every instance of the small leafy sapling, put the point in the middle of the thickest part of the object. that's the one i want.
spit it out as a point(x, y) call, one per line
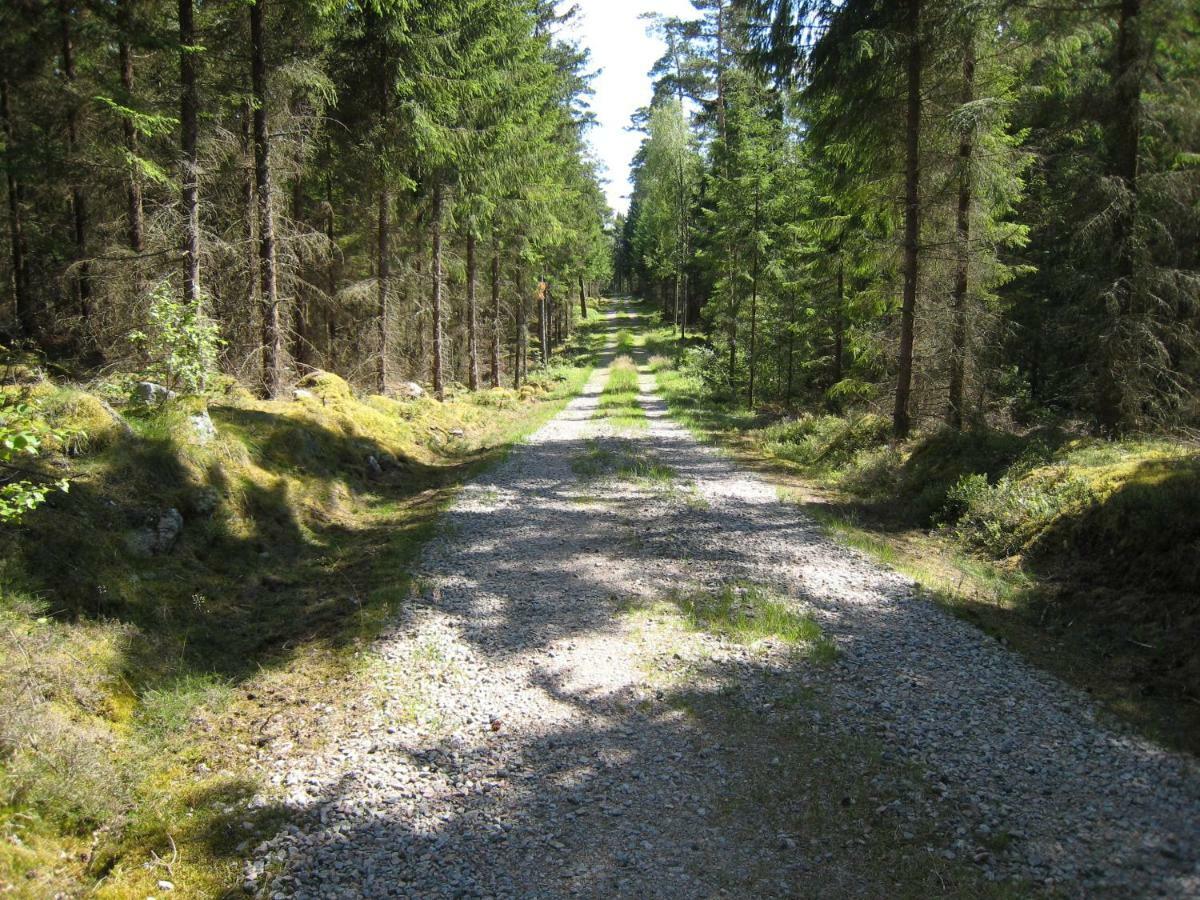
point(181, 341)
point(23, 434)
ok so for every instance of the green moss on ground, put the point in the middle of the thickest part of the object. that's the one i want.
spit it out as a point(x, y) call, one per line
point(138, 681)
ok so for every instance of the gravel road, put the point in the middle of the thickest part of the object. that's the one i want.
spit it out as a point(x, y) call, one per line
point(544, 722)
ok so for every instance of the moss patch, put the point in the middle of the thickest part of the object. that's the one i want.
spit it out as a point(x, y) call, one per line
point(146, 668)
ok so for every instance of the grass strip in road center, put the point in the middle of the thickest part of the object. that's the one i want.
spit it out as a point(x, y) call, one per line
point(619, 400)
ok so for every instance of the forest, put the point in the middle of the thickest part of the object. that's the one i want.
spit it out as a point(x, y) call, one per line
point(940, 260)
point(963, 212)
point(373, 190)
point(384, 514)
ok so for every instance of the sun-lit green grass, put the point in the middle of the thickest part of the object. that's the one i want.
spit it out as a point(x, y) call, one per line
point(747, 612)
point(621, 458)
point(619, 401)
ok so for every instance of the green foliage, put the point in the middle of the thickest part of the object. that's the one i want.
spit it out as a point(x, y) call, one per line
point(824, 441)
point(1002, 519)
point(747, 612)
point(146, 124)
point(181, 341)
point(23, 436)
point(668, 176)
point(1025, 307)
point(618, 402)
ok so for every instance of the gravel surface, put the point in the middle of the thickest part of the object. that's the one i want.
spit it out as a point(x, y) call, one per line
point(539, 726)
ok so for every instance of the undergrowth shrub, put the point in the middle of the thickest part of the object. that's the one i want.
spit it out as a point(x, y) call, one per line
point(1002, 519)
point(496, 398)
point(702, 372)
point(938, 462)
point(824, 442)
point(873, 472)
point(552, 379)
point(24, 434)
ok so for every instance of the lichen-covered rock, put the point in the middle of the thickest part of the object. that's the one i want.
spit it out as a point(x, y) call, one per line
point(150, 394)
point(160, 538)
point(203, 501)
point(202, 426)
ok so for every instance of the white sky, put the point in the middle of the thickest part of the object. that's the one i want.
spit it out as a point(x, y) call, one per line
point(623, 53)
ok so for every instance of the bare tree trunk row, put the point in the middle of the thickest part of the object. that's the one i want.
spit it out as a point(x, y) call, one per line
point(439, 388)
point(472, 316)
point(83, 286)
point(497, 319)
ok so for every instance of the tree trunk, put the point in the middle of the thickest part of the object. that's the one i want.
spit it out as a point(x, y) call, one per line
point(22, 305)
point(522, 361)
point(683, 319)
point(83, 286)
point(302, 338)
point(901, 419)
point(753, 357)
point(330, 279)
point(543, 325)
point(958, 337)
point(1113, 415)
point(188, 109)
point(754, 308)
point(496, 317)
point(678, 319)
point(732, 355)
point(250, 218)
point(839, 321)
point(582, 300)
point(472, 317)
point(272, 332)
point(439, 388)
point(383, 269)
point(134, 214)
point(791, 362)
point(720, 60)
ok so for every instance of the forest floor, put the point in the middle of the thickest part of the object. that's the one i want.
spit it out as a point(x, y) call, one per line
point(632, 670)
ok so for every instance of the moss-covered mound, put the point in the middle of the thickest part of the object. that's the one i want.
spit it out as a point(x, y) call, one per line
point(207, 547)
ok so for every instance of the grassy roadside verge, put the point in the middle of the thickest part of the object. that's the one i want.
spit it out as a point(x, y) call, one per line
point(149, 685)
point(1078, 554)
